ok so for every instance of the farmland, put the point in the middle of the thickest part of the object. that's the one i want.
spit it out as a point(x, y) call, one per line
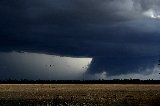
point(80, 94)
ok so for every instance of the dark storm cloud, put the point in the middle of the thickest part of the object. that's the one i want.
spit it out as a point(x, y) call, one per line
point(122, 65)
point(100, 29)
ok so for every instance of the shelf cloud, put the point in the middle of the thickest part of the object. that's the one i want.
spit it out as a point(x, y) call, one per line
point(121, 34)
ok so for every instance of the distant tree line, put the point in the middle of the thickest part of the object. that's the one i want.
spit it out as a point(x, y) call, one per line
point(115, 81)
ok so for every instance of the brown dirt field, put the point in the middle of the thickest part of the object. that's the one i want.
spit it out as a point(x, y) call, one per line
point(80, 94)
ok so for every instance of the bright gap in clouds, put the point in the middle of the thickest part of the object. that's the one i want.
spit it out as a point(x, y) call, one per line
point(152, 14)
point(25, 65)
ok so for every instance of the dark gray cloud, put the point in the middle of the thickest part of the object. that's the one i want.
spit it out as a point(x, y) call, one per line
point(119, 65)
point(103, 29)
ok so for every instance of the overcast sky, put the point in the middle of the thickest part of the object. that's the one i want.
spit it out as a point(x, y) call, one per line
point(113, 38)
